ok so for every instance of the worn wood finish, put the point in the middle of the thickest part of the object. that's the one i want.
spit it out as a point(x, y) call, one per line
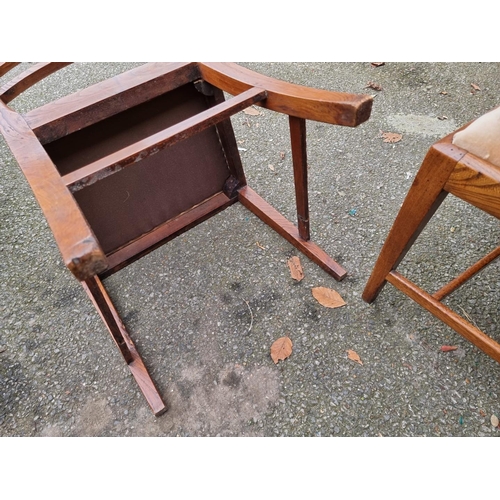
point(79, 248)
point(164, 131)
point(446, 169)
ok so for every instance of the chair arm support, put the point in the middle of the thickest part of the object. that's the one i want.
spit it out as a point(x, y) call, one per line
point(5, 67)
point(28, 78)
point(338, 108)
point(77, 243)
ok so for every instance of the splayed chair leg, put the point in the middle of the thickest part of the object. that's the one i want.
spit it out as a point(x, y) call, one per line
point(102, 302)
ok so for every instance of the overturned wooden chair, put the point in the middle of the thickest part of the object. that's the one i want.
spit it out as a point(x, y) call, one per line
point(125, 165)
point(465, 164)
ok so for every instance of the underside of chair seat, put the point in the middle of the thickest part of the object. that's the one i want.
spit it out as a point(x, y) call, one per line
point(482, 137)
point(159, 187)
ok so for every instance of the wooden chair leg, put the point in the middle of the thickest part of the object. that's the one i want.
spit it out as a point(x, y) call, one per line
point(423, 199)
point(102, 302)
point(299, 156)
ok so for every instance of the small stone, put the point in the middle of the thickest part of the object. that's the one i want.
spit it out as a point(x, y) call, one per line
point(494, 421)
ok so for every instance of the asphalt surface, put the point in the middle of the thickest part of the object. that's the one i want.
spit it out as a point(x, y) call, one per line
point(205, 309)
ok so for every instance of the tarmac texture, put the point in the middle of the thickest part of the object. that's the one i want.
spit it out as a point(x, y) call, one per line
point(205, 308)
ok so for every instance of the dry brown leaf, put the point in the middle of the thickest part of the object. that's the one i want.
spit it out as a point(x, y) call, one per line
point(281, 349)
point(448, 348)
point(295, 268)
point(391, 137)
point(373, 85)
point(354, 356)
point(251, 111)
point(377, 64)
point(494, 421)
point(475, 87)
point(328, 297)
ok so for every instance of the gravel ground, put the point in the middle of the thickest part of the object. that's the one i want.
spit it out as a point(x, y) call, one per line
point(205, 308)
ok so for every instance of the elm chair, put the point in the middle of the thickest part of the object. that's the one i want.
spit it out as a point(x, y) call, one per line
point(123, 166)
point(465, 164)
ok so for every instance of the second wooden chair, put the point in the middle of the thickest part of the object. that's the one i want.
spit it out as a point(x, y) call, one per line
point(465, 164)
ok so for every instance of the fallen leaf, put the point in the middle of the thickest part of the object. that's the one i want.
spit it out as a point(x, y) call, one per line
point(377, 64)
point(448, 348)
point(391, 137)
point(474, 86)
point(295, 268)
point(482, 413)
point(494, 421)
point(328, 297)
point(271, 167)
point(354, 356)
point(251, 111)
point(443, 92)
point(373, 85)
point(282, 155)
point(281, 349)
point(442, 117)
